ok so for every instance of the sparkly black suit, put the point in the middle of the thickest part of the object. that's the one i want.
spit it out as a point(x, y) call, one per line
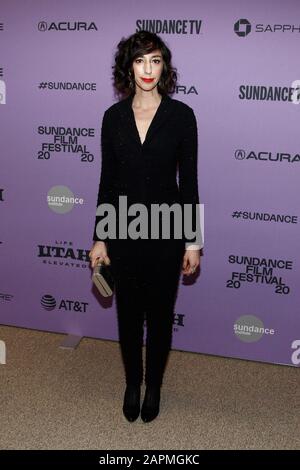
point(147, 271)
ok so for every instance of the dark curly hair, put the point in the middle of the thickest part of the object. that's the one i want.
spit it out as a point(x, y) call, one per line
point(128, 49)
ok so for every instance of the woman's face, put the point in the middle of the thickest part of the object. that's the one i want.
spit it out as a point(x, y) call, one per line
point(147, 70)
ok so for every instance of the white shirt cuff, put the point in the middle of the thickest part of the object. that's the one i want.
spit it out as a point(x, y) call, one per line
point(188, 246)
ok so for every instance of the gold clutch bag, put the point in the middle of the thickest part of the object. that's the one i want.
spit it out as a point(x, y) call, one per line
point(103, 279)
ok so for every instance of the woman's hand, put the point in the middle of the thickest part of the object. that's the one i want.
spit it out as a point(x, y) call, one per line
point(98, 254)
point(191, 261)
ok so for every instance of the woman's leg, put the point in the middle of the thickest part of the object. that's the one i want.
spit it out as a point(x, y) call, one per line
point(162, 288)
point(130, 312)
point(131, 329)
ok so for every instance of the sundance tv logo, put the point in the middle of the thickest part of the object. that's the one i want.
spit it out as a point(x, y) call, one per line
point(67, 26)
point(171, 26)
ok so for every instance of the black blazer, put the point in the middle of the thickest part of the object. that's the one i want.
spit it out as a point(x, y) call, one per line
point(147, 172)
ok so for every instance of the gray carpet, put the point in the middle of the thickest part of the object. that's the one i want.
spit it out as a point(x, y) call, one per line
point(52, 398)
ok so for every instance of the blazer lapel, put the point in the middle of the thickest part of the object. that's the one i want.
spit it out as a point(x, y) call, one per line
point(128, 119)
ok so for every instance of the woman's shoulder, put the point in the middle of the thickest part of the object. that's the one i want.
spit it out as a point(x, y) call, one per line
point(112, 109)
point(183, 107)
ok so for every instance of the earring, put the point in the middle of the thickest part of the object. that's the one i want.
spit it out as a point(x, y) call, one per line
point(131, 82)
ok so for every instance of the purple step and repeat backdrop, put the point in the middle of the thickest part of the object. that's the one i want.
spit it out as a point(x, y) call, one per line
point(238, 68)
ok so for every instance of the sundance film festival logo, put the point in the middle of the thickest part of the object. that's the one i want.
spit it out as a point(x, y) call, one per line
point(57, 139)
point(67, 26)
point(267, 156)
point(243, 27)
point(251, 329)
point(259, 271)
point(48, 302)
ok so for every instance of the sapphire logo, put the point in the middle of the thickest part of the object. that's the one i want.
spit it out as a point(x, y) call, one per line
point(242, 27)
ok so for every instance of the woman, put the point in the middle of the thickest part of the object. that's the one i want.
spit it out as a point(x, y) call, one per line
point(144, 137)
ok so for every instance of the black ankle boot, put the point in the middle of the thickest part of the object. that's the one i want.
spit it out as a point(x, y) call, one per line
point(131, 405)
point(150, 406)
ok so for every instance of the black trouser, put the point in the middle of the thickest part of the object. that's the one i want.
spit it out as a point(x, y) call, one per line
point(146, 283)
